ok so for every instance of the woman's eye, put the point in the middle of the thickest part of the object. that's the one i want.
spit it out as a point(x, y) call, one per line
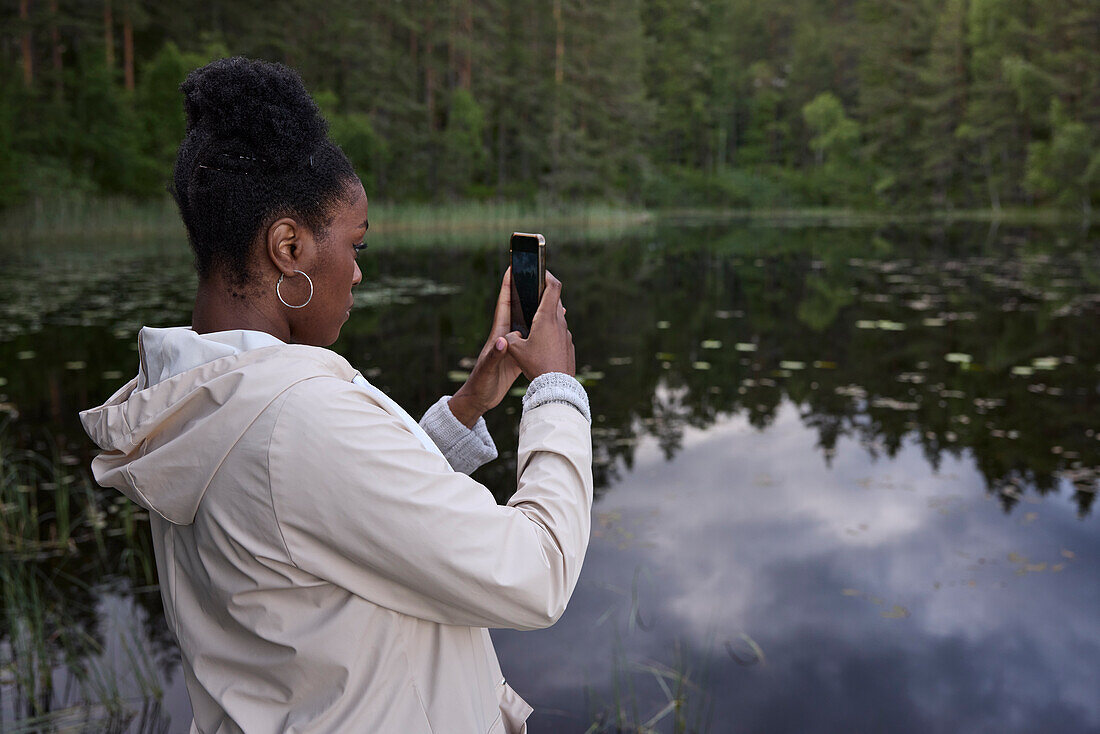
point(360, 247)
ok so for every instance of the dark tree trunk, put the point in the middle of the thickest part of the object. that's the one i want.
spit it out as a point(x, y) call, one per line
point(27, 49)
point(128, 52)
point(109, 34)
point(55, 52)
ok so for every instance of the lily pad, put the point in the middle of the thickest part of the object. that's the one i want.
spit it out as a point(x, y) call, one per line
point(959, 358)
point(25, 354)
point(1044, 363)
point(590, 377)
point(745, 347)
point(897, 612)
point(893, 404)
point(701, 365)
point(790, 365)
point(457, 375)
point(712, 344)
point(76, 365)
point(663, 324)
point(1022, 371)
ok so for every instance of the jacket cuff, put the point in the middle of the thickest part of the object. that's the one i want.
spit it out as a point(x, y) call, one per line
point(557, 387)
point(464, 448)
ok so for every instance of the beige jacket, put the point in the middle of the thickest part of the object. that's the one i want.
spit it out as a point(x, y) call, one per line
point(322, 566)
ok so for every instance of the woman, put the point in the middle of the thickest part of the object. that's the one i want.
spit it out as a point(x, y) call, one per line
point(326, 564)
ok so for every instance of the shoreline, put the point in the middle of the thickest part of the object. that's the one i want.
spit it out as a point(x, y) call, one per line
point(44, 218)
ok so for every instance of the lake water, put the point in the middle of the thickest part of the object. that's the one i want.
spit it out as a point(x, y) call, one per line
point(845, 477)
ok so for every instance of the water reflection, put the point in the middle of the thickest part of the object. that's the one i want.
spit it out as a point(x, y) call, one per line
point(880, 594)
point(834, 464)
point(980, 348)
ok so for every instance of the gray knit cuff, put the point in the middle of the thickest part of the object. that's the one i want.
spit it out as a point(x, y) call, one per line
point(557, 387)
point(464, 448)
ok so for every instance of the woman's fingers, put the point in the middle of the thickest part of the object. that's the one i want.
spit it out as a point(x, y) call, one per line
point(549, 347)
point(517, 348)
point(551, 298)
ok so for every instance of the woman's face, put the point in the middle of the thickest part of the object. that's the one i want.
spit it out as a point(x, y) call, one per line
point(334, 272)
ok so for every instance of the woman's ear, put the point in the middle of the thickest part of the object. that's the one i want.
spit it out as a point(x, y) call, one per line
point(287, 245)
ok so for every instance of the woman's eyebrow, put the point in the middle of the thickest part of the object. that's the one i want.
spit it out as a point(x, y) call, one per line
point(365, 225)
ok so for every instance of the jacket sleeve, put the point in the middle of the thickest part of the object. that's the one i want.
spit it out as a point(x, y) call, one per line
point(466, 449)
point(361, 503)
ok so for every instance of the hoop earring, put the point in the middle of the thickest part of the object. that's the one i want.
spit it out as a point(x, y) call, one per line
point(280, 295)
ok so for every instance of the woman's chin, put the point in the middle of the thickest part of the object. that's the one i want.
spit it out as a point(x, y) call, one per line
point(335, 335)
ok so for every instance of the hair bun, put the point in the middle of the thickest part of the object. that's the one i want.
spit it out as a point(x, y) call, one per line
point(255, 108)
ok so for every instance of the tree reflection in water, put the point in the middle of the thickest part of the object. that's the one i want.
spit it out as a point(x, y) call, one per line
point(963, 339)
point(985, 351)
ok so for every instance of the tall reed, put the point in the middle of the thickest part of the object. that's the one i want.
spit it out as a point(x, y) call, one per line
point(57, 530)
point(94, 220)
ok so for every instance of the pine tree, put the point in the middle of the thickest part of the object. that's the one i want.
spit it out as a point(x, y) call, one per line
point(943, 102)
point(896, 36)
point(994, 128)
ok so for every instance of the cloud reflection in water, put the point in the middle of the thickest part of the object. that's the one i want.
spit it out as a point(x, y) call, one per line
point(749, 532)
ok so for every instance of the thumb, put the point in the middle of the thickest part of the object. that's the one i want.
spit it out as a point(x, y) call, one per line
point(498, 349)
point(516, 345)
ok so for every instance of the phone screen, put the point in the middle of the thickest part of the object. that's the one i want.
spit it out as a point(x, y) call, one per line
point(526, 279)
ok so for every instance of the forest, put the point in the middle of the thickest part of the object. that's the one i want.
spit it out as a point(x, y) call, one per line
point(864, 104)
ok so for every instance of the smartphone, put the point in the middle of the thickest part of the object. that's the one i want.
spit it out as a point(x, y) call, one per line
point(528, 278)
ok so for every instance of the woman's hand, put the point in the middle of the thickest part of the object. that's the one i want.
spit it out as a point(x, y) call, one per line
point(549, 347)
point(495, 370)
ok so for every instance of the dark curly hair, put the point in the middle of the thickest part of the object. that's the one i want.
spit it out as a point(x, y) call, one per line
point(256, 149)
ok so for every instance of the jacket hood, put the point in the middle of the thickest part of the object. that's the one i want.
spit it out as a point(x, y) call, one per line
point(166, 432)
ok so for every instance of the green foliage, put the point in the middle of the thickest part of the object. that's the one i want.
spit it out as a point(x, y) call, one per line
point(1031, 85)
point(1067, 167)
point(865, 103)
point(767, 127)
point(158, 103)
point(12, 162)
point(463, 148)
point(105, 136)
point(942, 101)
point(731, 189)
point(835, 134)
point(841, 177)
point(356, 136)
